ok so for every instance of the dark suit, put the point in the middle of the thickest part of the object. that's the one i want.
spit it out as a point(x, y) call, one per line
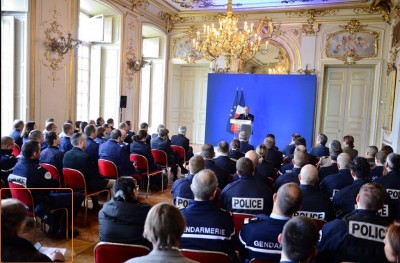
point(226, 164)
point(181, 140)
point(77, 159)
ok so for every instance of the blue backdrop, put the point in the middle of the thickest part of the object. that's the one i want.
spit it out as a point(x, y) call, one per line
point(281, 104)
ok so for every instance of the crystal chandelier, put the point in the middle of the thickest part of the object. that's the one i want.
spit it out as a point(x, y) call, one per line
point(227, 40)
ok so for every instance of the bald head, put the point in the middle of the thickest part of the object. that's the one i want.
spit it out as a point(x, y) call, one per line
point(253, 156)
point(287, 200)
point(308, 175)
point(344, 160)
point(204, 185)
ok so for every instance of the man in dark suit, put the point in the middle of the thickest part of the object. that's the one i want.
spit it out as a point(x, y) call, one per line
point(182, 141)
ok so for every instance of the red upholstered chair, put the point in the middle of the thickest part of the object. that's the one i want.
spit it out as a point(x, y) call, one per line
point(254, 260)
point(16, 150)
point(105, 252)
point(107, 169)
point(205, 256)
point(238, 220)
point(76, 180)
point(24, 195)
point(140, 162)
point(53, 171)
point(181, 153)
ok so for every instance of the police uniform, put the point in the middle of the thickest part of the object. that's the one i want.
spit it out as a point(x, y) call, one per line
point(65, 144)
point(315, 204)
point(259, 237)
point(247, 195)
point(334, 182)
point(181, 191)
point(92, 148)
point(320, 150)
point(208, 228)
point(8, 161)
point(328, 170)
point(292, 177)
point(357, 237)
point(344, 201)
point(119, 155)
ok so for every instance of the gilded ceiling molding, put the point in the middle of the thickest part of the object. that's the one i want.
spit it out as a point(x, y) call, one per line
point(171, 20)
point(310, 28)
point(352, 43)
point(139, 3)
point(378, 7)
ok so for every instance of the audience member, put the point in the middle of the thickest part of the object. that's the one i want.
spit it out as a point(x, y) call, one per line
point(245, 146)
point(299, 240)
point(182, 194)
point(164, 227)
point(315, 204)
point(234, 152)
point(203, 218)
point(380, 161)
point(335, 149)
point(320, 149)
point(18, 126)
point(334, 182)
point(223, 161)
point(246, 195)
point(121, 219)
point(359, 235)
point(183, 141)
point(8, 160)
point(259, 235)
point(207, 152)
point(348, 146)
point(15, 248)
point(289, 149)
point(392, 242)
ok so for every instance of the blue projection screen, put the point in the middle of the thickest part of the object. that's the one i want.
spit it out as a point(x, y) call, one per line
point(281, 104)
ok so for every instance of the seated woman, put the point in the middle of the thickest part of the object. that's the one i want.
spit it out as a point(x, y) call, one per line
point(122, 218)
point(392, 242)
point(163, 228)
point(15, 248)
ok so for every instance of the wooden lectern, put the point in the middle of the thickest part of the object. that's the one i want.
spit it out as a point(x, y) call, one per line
point(244, 125)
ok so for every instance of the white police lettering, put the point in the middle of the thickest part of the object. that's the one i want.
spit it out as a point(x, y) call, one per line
point(205, 230)
point(393, 193)
point(181, 202)
point(264, 244)
point(247, 203)
point(367, 231)
point(317, 215)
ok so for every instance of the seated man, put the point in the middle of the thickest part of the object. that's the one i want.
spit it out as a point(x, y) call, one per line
point(182, 194)
point(320, 149)
point(223, 161)
point(207, 152)
point(246, 195)
point(358, 236)
point(259, 235)
point(8, 160)
point(183, 141)
point(207, 227)
point(163, 143)
point(245, 146)
point(299, 240)
point(30, 174)
point(315, 204)
point(111, 150)
point(234, 152)
point(122, 218)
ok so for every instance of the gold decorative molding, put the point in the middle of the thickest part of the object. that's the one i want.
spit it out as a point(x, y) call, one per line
point(171, 20)
point(352, 43)
point(310, 28)
point(138, 3)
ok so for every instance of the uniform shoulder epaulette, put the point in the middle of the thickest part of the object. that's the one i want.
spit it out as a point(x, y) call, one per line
point(251, 220)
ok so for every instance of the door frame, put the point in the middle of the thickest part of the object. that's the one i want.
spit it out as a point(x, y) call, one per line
point(374, 129)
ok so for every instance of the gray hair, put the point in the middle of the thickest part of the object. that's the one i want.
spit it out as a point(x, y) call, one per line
point(204, 184)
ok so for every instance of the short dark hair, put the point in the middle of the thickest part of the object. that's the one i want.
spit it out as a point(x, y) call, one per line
point(299, 238)
point(50, 138)
point(29, 147)
point(289, 198)
point(360, 167)
point(207, 151)
point(223, 147)
point(335, 148)
point(323, 139)
point(244, 166)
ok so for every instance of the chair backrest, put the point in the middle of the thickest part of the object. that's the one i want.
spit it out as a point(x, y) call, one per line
point(160, 157)
point(238, 220)
point(107, 169)
point(254, 260)
point(52, 170)
point(140, 162)
point(16, 150)
point(180, 150)
point(205, 256)
point(23, 194)
point(320, 223)
point(105, 252)
point(74, 179)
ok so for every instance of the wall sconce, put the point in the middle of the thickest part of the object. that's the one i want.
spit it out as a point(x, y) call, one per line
point(136, 64)
point(61, 45)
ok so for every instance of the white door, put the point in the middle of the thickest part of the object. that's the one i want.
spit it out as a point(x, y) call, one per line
point(347, 104)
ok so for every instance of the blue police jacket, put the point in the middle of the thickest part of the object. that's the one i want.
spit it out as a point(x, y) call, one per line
point(181, 191)
point(247, 195)
point(334, 182)
point(344, 201)
point(65, 145)
point(118, 154)
point(315, 204)
point(8, 162)
point(320, 150)
point(357, 237)
point(259, 238)
point(208, 228)
point(292, 177)
point(92, 148)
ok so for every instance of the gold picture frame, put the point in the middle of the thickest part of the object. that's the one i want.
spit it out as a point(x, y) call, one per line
point(389, 100)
